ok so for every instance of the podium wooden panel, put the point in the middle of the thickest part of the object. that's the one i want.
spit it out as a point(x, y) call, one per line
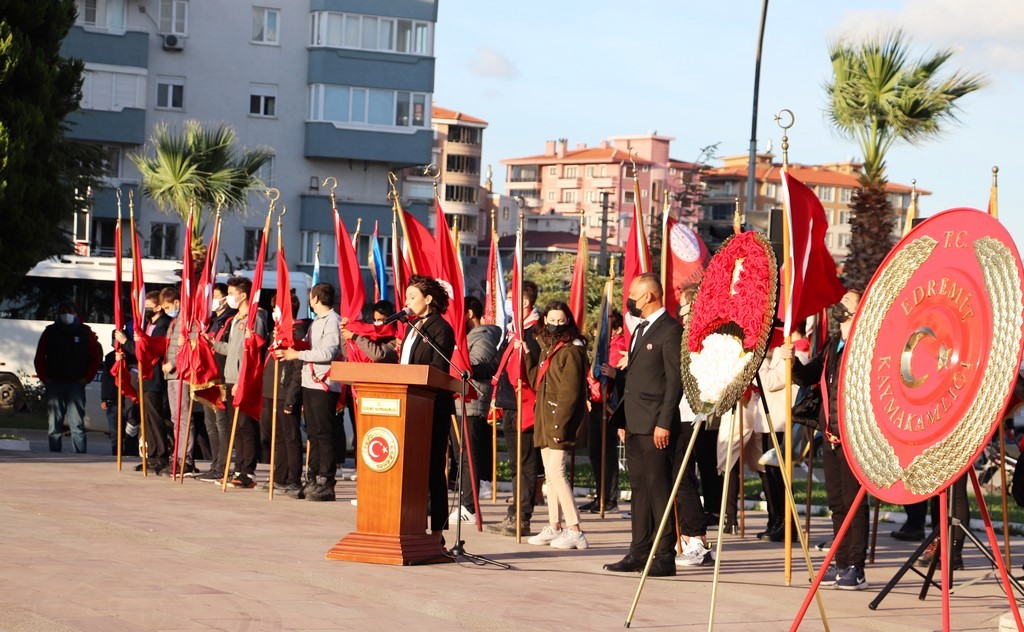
point(391, 513)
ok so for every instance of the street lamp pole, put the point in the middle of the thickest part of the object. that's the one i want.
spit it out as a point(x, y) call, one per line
point(751, 187)
point(603, 261)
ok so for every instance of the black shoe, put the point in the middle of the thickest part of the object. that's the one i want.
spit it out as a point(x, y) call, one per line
point(591, 507)
point(609, 507)
point(764, 535)
point(628, 564)
point(323, 491)
point(662, 568)
point(908, 535)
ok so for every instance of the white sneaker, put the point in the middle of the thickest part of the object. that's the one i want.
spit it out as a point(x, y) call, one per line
point(695, 554)
point(462, 514)
point(570, 540)
point(547, 535)
point(485, 490)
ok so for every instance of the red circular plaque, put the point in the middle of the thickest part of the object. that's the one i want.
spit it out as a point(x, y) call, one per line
point(932, 356)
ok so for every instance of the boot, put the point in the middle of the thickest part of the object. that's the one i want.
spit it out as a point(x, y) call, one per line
point(322, 491)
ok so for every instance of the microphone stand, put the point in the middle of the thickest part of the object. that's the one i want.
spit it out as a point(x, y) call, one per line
point(459, 548)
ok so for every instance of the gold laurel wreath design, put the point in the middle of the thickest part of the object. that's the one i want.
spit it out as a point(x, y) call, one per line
point(937, 464)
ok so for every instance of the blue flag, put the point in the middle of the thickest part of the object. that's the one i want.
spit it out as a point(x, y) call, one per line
point(601, 345)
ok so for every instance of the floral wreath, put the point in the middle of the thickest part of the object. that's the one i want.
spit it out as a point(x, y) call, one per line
point(730, 323)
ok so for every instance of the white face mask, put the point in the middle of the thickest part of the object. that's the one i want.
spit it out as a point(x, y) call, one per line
point(67, 319)
point(277, 314)
point(219, 304)
point(232, 301)
point(508, 306)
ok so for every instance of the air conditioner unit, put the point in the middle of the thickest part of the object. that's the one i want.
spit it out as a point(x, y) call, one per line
point(174, 42)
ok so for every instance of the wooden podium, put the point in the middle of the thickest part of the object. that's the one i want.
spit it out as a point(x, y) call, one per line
point(394, 412)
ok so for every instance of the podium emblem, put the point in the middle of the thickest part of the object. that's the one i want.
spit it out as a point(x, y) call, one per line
point(379, 449)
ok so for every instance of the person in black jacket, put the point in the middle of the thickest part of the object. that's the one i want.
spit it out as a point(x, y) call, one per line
point(67, 358)
point(218, 424)
point(108, 402)
point(649, 419)
point(288, 445)
point(428, 301)
point(841, 486)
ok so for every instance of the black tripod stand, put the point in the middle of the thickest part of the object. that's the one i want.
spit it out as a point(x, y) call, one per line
point(951, 523)
point(459, 548)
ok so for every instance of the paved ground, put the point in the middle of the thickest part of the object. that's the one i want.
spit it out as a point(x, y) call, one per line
point(88, 548)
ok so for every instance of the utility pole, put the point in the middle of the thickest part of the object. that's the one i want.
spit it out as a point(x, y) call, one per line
point(602, 263)
point(751, 186)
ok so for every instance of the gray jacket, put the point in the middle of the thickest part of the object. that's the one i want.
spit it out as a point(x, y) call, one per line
point(233, 343)
point(482, 341)
point(324, 339)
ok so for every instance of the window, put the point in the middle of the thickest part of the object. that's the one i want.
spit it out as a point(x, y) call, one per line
point(109, 15)
point(771, 190)
point(591, 196)
point(600, 171)
point(524, 174)
point(552, 171)
point(174, 17)
point(628, 197)
point(569, 195)
point(459, 193)
point(264, 25)
point(826, 194)
point(462, 134)
point(103, 237)
point(370, 32)
point(844, 240)
point(845, 195)
point(163, 241)
point(266, 172)
point(897, 201)
point(551, 196)
point(310, 242)
point(590, 171)
point(368, 106)
point(844, 217)
point(504, 213)
point(111, 161)
point(251, 245)
point(418, 190)
point(262, 100)
point(571, 172)
point(104, 88)
point(170, 93)
point(463, 164)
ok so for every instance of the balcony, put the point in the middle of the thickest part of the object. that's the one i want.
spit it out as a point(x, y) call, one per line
point(371, 69)
point(399, 148)
point(129, 48)
point(126, 127)
point(104, 200)
point(569, 183)
point(606, 182)
point(315, 214)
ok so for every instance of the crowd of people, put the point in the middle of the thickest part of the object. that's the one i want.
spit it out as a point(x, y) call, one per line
point(543, 374)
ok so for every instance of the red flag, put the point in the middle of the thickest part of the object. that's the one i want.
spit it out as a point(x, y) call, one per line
point(490, 295)
point(813, 281)
point(686, 259)
point(638, 261)
point(147, 350)
point(284, 323)
point(421, 247)
point(399, 266)
point(578, 289)
point(249, 390)
point(122, 377)
point(449, 273)
point(205, 373)
point(350, 280)
point(185, 355)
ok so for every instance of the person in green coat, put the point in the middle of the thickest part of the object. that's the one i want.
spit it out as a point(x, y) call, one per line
point(559, 378)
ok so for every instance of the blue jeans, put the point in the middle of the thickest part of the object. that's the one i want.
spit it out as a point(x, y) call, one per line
point(65, 403)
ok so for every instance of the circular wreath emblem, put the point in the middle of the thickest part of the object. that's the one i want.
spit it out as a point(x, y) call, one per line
point(730, 323)
point(684, 244)
point(932, 356)
point(379, 449)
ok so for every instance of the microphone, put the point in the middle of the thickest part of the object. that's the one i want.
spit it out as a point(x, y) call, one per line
point(402, 315)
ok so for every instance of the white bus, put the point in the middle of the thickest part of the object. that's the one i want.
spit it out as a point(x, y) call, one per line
point(32, 305)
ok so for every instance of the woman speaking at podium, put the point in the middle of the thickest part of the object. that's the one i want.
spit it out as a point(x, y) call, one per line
point(425, 301)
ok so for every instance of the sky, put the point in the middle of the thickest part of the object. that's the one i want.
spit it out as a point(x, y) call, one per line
point(590, 70)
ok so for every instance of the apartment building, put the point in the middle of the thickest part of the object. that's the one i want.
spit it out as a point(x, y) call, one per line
point(335, 88)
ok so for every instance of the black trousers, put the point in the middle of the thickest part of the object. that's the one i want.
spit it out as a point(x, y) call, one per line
point(608, 468)
point(318, 407)
point(480, 444)
point(961, 511)
point(247, 439)
point(842, 488)
point(157, 446)
point(916, 514)
point(774, 485)
point(527, 467)
point(438, 479)
point(706, 454)
point(218, 429)
point(288, 444)
point(691, 511)
point(650, 475)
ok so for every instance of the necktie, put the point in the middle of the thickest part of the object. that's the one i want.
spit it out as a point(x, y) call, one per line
point(637, 335)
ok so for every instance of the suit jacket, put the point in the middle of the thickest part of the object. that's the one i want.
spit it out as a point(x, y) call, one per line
point(654, 385)
point(442, 334)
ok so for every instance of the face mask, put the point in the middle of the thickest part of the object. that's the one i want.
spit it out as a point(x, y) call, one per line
point(508, 306)
point(173, 313)
point(840, 313)
point(277, 314)
point(149, 314)
point(232, 301)
point(219, 304)
point(67, 319)
point(632, 308)
point(555, 330)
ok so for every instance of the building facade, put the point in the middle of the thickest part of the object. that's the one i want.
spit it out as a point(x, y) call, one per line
point(334, 88)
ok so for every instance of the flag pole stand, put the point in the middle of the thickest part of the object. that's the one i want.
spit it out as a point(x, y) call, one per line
point(231, 446)
point(492, 413)
point(120, 413)
point(188, 432)
point(601, 485)
point(177, 430)
point(142, 425)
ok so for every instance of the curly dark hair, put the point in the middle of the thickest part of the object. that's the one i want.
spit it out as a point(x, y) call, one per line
point(429, 286)
point(572, 331)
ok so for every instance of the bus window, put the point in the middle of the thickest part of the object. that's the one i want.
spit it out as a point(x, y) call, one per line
point(36, 298)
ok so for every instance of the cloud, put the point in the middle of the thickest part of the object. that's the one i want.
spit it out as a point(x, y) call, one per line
point(490, 63)
point(985, 33)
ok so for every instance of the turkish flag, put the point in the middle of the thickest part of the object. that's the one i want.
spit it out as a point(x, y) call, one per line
point(284, 323)
point(578, 289)
point(249, 389)
point(449, 274)
point(814, 282)
point(638, 261)
point(350, 280)
point(421, 248)
point(687, 258)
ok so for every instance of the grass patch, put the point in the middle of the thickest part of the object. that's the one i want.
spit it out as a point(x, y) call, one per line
point(584, 474)
point(25, 420)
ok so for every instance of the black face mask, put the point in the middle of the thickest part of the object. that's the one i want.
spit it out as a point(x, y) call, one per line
point(632, 308)
point(840, 313)
point(555, 330)
point(149, 314)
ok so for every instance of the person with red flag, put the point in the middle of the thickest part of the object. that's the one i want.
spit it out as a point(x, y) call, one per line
point(287, 465)
point(148, 347)
point(179, 339)
point(215, 414)
point(233, 345)
point(319, 393)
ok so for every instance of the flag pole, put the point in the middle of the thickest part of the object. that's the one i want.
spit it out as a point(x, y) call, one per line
point(908, 224)
point(355, 235)
point(492, 412)
point(665, 213)
point(277, 372)
point(721, 513)
point(789, 514)
point(117, 363)
point(518, 296)
point(737, 228)
point(188, 429)
point(142, 403)
point(993, 209)
point(183, 299)
point(609, 294)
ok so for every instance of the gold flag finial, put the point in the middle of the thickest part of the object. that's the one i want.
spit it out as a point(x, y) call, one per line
point(912, 209)
point(993, 197)
point(737, 217)
point(785, 129)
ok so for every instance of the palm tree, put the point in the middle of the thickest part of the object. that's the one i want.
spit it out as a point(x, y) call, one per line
point(198, 170)
point(879, 95)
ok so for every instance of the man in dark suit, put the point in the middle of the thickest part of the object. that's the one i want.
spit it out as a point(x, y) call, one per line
point(649, 419)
